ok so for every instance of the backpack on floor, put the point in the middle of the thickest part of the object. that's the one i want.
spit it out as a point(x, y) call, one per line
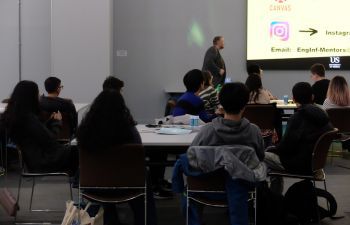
point(301, 201)
point(271, 209)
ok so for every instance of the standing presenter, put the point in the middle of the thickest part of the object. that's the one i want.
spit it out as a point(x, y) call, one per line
point(214, 63)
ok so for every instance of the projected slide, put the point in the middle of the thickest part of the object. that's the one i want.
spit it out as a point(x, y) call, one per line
point(293, 34)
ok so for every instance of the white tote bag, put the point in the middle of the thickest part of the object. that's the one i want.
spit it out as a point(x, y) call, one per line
point(74, 216)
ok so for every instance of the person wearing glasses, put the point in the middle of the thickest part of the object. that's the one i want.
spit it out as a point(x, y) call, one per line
point(53, 103)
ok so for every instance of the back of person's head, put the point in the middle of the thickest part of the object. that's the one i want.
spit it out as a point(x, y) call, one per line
point(113, 83)
point(234, 97)
point(193, 80)
point(254, 86)
point(208, 77)
point(106, 124)
point(24, 100)
point(318, 69)
point(52, 84)
point(338, 91)
point(253, 69)
point(302, 93)
point(216, 39)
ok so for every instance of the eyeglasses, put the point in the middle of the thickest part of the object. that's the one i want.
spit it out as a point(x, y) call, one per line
point(61, 87)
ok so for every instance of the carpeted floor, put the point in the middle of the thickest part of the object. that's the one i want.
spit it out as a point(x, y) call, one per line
point(52, 193)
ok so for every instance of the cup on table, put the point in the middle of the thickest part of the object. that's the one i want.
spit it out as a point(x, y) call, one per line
point(194, 121)
point(285, 99)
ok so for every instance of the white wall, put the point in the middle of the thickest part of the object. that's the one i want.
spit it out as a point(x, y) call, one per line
point(36, 53)
point(36, 36)
point(8, 46)
point(81, 46)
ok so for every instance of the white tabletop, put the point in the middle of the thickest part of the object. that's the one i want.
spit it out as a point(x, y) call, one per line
point(150, 138)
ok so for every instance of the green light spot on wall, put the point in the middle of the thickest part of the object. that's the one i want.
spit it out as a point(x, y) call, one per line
point(195, 35)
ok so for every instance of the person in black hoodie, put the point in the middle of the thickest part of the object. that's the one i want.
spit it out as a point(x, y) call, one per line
point(53, 103)
point(294, 152)
point(41, 152)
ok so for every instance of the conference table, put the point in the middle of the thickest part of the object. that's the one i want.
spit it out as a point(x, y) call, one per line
point(169, 143)
point(155, 143)
point(150, 138)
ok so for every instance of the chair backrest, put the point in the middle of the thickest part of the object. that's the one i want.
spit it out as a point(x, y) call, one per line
point(211, 182)
point(170, 105)
point(340, 119)
point(321, 148)
point(121, 166)
point(66, 130)
point(262, 115)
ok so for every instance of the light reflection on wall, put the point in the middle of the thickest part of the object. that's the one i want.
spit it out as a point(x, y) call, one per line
point(195, 35)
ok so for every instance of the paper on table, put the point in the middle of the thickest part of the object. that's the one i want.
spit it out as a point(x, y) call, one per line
point(173, 131)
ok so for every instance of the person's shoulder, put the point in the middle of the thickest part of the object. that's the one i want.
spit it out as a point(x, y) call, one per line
point(327, 103)
point(65, 100)
point(321, 82)
point(207, 129)
point(204, 92)
point(212, 49)
point(195, 99)
point(252, 126)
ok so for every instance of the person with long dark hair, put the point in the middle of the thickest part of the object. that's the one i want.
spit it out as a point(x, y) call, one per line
point(257, 94)
point(109, 123)
point(41, 151)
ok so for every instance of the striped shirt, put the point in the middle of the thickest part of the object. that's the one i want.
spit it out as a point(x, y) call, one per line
point(210, 99)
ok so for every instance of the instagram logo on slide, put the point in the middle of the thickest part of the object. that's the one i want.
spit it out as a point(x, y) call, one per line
point(279, 30)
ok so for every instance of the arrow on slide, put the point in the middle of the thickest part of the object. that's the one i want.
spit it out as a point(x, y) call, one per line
point(311, 31)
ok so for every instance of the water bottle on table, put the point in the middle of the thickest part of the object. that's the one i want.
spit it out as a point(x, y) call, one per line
point(194, 121)
point(285, 99)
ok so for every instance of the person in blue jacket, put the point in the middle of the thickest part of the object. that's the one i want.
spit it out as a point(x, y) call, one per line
point(190, 102)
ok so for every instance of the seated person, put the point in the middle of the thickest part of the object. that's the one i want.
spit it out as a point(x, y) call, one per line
point(320, 87)
point(53, 103)
point(113, 83)
point(109, 123)
point(257, 94)
point(189, 102)
point(233, 130)
point(294, 152)
point(41, 152)
point(209, 95)
point(254, 69)
point(338, 94)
